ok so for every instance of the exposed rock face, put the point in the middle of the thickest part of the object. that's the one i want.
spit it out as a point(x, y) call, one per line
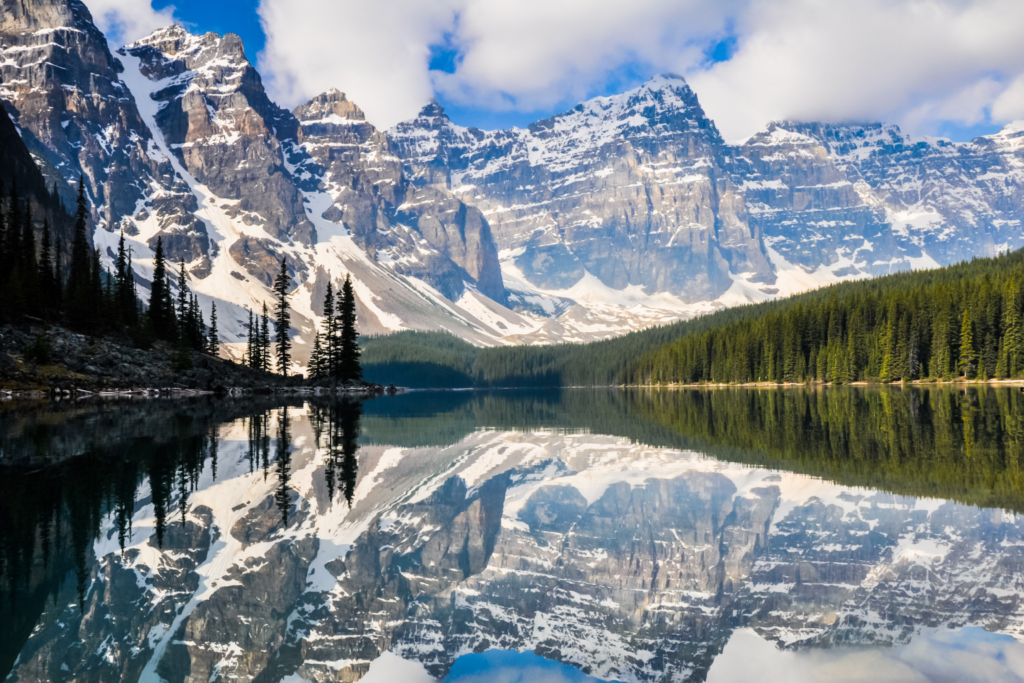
point(216, 117)
point(628, 188)
point(625, 212)
point(639, 189)
point(424, 232)
point(952, 200)
point(62, 88)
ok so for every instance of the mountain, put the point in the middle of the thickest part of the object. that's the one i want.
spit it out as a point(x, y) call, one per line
point(625, 212)
point(18, 171)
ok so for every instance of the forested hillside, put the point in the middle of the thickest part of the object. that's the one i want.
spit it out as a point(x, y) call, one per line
point(963, 320)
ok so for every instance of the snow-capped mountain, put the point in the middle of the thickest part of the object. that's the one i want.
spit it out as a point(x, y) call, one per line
point(624, 212)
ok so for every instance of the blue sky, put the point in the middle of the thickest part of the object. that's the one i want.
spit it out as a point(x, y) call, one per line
point(956, 70)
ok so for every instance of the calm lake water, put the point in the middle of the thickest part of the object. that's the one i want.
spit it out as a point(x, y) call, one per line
point(841, 534)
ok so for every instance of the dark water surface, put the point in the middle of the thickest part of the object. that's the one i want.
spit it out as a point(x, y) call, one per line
point(841, 534)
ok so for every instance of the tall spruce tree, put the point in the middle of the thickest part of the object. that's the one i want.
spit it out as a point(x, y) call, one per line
point(250, 349)
point(161, 311)
point(47, 285)
point(329, 356)
point(183, 298)
point(968, 357)
point(283, 322)
point(29, 267)
point(213, 339)
point(264, 355)
point(124, 285)
point(316, 358)
point(79, 298)
point(350, 369)
point(1013, 335)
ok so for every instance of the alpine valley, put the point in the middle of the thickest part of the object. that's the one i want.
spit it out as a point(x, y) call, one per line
point(625, 212)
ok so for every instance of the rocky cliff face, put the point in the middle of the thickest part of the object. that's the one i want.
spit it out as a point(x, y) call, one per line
point(185, 146)
point(638, 190)
point(627, 188)
point(951, 200)
point(215, 117)
point(61, 86)
point(626, 211)
point(423, 232)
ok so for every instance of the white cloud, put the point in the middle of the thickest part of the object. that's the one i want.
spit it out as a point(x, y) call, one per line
point(126, 20)
point(376, 52)
point(538, 52)
point(915, 62)
point(968, 655)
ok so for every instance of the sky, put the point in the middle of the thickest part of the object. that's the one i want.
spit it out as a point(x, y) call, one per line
point(952, 68)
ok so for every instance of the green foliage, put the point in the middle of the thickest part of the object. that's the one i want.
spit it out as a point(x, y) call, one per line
point(283, 322)
point(161, 309)
point(348, 367)
point(896, 328)
point(213, 338)
point(877, 330)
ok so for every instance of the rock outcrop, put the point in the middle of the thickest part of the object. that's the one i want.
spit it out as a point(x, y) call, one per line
point(627, 188)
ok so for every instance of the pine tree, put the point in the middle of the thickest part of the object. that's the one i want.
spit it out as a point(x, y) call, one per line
point(330, 344)
point(1013, 335)
point(966, 364)
point(250, 349)
point(213, 340)
point(316, 358)
point(1001, 362)
point(98, 308)
point(183, 300)
point(47, 284)
point(29, 267)
point(124, 285)
point(283, 322)
point(161, 312)
point(889, 351)
point(80, 284)
point(349, 367)
point(264, 354)
point(900, 364)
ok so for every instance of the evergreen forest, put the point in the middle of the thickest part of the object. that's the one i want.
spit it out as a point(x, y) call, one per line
point(962, 321)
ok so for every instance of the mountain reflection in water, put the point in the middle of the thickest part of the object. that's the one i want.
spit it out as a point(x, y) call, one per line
point(631, 535)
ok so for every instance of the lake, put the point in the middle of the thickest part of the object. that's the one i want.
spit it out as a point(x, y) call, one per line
point(798, 534)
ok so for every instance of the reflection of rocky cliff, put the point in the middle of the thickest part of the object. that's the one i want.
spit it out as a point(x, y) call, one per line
point(630, 562)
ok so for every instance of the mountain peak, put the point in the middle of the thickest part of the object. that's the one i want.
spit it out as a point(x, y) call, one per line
point(176, 39)
point(328, 105)
point(665, 80)
point(433, 109)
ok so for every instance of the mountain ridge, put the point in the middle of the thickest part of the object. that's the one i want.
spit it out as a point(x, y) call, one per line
point(623, 212)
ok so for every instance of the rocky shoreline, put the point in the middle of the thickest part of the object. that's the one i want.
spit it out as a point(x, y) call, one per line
point(41, 362)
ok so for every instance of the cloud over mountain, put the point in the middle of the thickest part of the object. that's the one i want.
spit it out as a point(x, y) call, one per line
point(918, 62)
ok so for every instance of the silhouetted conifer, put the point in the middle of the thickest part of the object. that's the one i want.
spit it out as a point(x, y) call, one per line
point(283, 321)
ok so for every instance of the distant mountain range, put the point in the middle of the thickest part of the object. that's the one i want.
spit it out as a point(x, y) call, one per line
point(626, 211)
